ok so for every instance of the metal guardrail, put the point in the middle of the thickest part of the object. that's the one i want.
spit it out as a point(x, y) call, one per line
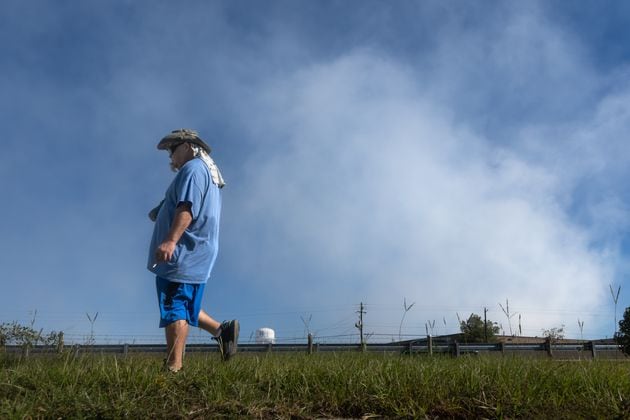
point(591, 349)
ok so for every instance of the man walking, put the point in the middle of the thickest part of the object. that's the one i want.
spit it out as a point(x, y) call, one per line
point(185, 243)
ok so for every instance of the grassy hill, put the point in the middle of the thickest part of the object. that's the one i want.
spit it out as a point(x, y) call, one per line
point(320, 385)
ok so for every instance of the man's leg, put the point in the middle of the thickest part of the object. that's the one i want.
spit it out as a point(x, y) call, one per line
point(207, 323)
point(176, 334)
point(226, 333)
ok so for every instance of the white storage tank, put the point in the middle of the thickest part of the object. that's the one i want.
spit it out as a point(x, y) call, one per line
point(265, 336)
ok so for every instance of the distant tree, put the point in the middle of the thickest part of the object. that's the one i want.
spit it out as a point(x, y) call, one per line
point(475, 332)
point(623, 335)
point(555, 334)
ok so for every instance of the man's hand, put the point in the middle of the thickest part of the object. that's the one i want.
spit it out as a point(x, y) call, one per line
point(181, 220)
point(164, 252)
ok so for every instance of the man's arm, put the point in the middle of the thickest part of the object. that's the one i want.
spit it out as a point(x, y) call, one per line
point(181, 221)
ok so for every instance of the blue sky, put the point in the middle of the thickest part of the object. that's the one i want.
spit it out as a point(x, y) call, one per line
point(451, 154)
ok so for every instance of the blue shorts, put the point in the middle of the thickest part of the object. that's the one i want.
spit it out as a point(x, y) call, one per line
point(178, 301)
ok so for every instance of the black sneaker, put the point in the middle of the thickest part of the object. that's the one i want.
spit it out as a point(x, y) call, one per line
point(228, 340)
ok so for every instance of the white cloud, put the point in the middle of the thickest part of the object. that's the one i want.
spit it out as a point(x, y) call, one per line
point(376, 194)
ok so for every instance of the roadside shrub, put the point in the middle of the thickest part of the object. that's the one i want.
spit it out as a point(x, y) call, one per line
point(18, 334)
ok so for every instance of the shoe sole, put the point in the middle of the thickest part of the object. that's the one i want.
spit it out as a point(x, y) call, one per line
point(229, 347)
point(232, 351)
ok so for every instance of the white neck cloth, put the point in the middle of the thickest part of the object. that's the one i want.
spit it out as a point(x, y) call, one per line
point(217, 179)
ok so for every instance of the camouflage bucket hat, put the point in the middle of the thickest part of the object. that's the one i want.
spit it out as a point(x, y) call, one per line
point(183, 135)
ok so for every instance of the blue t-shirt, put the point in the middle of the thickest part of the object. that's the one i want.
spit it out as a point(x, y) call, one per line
point(197, 249)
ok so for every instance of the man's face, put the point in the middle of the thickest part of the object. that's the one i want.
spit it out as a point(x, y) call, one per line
point(180, 154)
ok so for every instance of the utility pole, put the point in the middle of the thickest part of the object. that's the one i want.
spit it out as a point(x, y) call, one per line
point(485, 324)
point(615, 299)
point(359, 324)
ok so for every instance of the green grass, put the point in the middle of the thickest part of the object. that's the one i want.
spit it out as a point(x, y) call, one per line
point(321, 385)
